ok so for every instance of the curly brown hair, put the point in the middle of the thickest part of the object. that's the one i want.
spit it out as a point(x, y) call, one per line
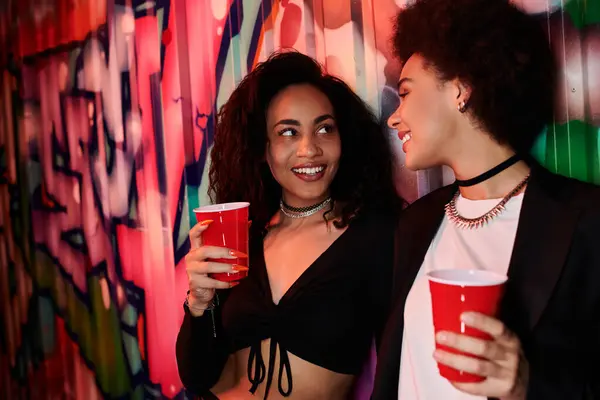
point(239, 171)
point(502, 53)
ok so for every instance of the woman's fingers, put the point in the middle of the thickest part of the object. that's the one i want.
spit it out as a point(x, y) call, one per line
point(205, 252)
point(199, 283)
point(212, 267)
point(196, 233)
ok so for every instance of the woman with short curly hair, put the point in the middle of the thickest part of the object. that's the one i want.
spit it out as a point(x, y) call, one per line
point(317, 169)
point(476, 89)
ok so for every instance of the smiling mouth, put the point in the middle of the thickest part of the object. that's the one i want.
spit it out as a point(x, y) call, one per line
point(404, 136)
point(310, 171)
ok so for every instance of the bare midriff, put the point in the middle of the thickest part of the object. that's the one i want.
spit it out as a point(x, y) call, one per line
point(309, 380)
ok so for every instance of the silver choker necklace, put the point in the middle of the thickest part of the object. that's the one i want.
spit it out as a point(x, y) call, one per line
point(302, 212)
point(474, 223)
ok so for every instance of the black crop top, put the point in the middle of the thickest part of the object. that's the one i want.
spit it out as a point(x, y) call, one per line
point(328, 317)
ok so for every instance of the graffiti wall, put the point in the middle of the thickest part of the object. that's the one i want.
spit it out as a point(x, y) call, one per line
point(107, 111)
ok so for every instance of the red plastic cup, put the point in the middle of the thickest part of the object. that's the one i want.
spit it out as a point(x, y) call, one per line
point(229, 229)
point(455, 291)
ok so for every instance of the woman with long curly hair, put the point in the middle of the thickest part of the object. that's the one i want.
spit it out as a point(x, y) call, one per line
point(317, 169)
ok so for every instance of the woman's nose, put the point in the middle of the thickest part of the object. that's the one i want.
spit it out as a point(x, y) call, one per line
point(394, 120)
point(308, 147)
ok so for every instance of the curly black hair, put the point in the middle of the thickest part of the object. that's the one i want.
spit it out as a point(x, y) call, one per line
point(239, 171)
point(502, 53)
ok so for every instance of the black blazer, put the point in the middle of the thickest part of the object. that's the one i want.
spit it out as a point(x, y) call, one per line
point(552, 298)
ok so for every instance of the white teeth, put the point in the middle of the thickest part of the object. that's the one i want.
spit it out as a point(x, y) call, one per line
point(309, 171)
point(405, 138)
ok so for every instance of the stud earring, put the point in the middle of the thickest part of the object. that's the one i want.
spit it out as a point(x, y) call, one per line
point(461, 107)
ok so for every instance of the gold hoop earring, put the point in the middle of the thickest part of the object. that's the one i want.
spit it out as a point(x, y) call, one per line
point(462, 107)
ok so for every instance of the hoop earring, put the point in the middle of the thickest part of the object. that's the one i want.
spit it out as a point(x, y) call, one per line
point(462, 107)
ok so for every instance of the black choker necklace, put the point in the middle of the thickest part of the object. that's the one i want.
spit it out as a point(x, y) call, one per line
point(488, 174)
point(302, 212)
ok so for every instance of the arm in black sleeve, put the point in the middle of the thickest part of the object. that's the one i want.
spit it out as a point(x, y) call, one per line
point(562, 374)
point(568, 368)
point(202, 349)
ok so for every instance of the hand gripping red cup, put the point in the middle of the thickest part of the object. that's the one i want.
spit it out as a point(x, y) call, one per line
point(455, 291)
point(229, 229)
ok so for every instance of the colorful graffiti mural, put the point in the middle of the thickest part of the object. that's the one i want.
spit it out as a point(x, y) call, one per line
point(107, 115)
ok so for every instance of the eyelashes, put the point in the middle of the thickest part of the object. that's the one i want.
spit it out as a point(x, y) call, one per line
point(283, 132)
point(328, 128)
point(401, 97)
point(287, 132)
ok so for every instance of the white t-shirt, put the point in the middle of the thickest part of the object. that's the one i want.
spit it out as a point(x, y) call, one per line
point(487, 248)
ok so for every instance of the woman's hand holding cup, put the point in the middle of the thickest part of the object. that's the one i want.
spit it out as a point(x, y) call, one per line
point(500, 361)
point(199, 266)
